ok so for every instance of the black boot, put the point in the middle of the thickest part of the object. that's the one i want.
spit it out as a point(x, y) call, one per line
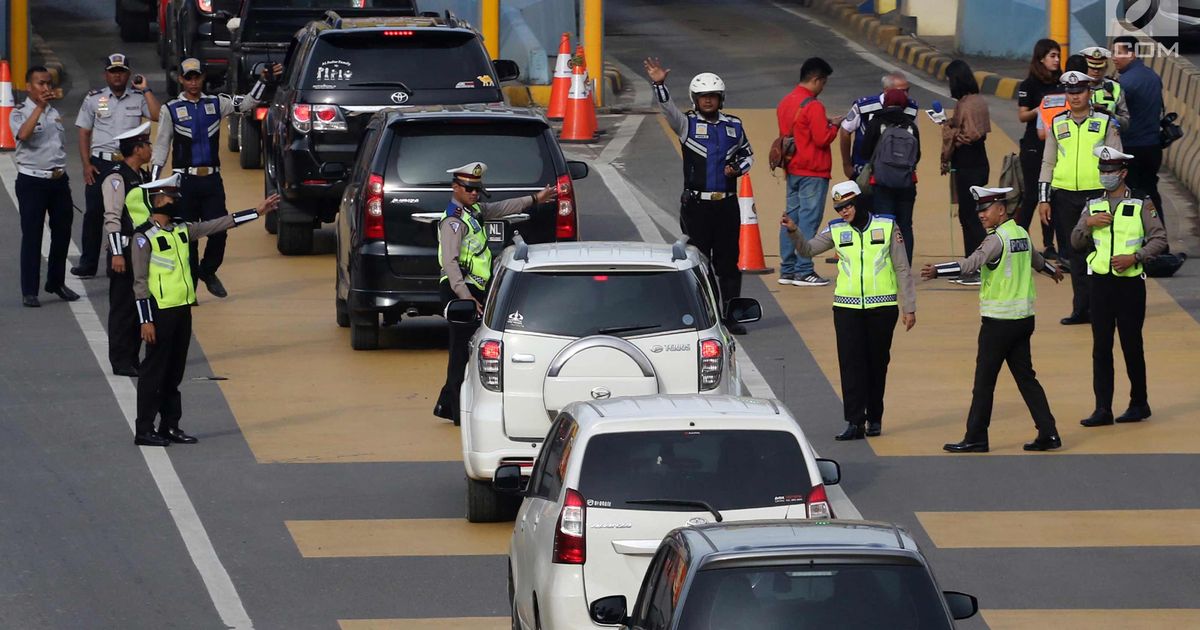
point(852, 432)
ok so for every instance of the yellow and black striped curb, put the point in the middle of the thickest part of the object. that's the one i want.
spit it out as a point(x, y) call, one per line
point(908, 49)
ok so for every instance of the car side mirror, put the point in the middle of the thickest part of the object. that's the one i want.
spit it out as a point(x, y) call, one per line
point(743, 310)
point(233, 24)
point(577, 169)
point(333, 170)
point(962, 606)
point(461, 312)
point(831, 472)
point(506, 70)
point(609, 610)
point(507, 479)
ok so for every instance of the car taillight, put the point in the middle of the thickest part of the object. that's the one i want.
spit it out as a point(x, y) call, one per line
point(327, 118)
point(491, 370)
point(711, 362)
point(570, 543)
point(302, 117)
point(373, 216)
point(260, 113)
point(204, 5)
point(818, 503)
point(564, 219)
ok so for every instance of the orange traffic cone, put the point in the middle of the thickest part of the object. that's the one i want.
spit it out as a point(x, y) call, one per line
point(579, 124)
point(591, 87)
point(560, 86)
point(750, 253)
point(7, 141)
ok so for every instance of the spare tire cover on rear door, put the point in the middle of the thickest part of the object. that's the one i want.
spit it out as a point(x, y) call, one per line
point(597, 368)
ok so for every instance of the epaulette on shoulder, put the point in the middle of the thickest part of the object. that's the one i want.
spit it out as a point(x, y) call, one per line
point(836, 221)
point(95, 91)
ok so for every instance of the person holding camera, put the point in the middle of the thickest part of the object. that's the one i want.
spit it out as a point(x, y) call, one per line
point(105, 114)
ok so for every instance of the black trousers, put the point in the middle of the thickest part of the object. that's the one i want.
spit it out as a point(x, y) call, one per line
point(899, 203)
point(37, 198)
point(1006, 341)
point(1031, 169)
point(1118, 303)
point(1143, 173)
point(203, 198)
point(93, 216)
point(1065, 208)
point(714, 228)
point(162, 370)
point(460, 354)
point(864, 347)
point(124, 331)
point(972, 228)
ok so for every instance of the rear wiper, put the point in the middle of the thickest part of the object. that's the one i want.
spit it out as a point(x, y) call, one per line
point(680, 503)
point(399, 84)
point(612, 330)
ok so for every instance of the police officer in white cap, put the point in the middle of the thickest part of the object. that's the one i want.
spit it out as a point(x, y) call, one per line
point(466, 263)
point(874, 288)
point(1005, 262)
point(126, 206)
point(1107, 95)
point(1119, 231)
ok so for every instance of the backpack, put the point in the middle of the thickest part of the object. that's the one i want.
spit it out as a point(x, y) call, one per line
point(1011, 176)
point(784, 147)
point(895, 157)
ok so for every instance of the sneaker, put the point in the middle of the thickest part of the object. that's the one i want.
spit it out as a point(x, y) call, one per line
point(787, 278)
point(810, 280)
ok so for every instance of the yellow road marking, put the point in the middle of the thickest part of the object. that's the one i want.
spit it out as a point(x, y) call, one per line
point(448, 623)
point(1100, 619)
point(1073, 528)
point(399, 537)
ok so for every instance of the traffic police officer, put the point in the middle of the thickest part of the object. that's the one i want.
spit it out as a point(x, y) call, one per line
point(42, 188)
point(873, 277)
point(1005, 261)
point(105, 115)
point(191, 132)
point(1071, 176)
point(1107, 95)
point(164, 290)
point(715, 153)
point(126, 206)
point(1122, 230)
point(466, 263)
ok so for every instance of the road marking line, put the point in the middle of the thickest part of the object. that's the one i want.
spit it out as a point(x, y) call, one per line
point(216, 579)
point(1100, 619)
point(447, 623)
point(399, 537)
point(1062, 529)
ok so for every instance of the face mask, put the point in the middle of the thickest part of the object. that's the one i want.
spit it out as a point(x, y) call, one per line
point(1110, 181)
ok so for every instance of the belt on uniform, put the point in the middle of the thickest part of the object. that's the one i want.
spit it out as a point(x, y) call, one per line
point(107, 156)
point(201, 170)
point(54, 173)
point(709, 196)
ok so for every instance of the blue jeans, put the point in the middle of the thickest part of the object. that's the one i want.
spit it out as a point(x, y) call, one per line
point(805, 206)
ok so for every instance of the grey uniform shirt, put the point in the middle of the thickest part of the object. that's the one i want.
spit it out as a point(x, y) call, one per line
point(452, 229)
point(1153, 243)
point(140, 248)
point(988, 253)
point(44, 148)
point(823, 242)
point(1112, 138)
point(113, 192)
point(228, 104)
point(109, 116)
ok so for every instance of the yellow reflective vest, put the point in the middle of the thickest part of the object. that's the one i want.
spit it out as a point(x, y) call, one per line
point(170, 277)
point(1124, 236)
point(1006, 289)
point(1076, 167)
point(866, 278)
point(474, 257)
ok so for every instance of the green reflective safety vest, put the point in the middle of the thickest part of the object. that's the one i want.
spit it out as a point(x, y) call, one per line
point(170, 278)
point(137, 206)
point(1077, 168)
point(1124, 236)
point(866, 278)
point(1006, 289)
point(1103, 98)
point(474, 257)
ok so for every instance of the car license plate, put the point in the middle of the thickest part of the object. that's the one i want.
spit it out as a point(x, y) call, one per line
point(495, 231)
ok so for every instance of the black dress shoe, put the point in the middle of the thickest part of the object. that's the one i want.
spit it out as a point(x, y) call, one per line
point(1075, 318)
point(65, 293)
point(150, 439)
point(31, 301)
point(1044, 443)
point(1099, 418)
point(1135, 413)
point(852, 432)
point(966, 447)
point(125, 371)
point(874, 429)
point(736, 328)
point(177, 436)
point(83, 272)
point(214, 286)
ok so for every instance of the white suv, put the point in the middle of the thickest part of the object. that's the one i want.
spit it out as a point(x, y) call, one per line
point(585, 321)
point(616, 476)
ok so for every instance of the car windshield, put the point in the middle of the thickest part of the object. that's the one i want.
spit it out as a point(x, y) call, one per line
point(843, 596)
point(421, 60)
point(277, 20)
point(621, 303)
point(516, 154)
point(728, 470)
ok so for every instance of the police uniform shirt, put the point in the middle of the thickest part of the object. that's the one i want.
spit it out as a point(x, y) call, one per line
point(452, 229)
point(1050, 155)
point(140, 249)
point(1121, 106)
point(701, 140)
point(112, 189)
point(1155, 239)
point(860, 115)
point(43, 150)
point(109, 116)
point(988, 253)
point(225, 106)
point(823, 242)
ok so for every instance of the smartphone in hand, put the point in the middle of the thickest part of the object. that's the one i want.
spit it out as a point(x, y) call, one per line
point(939, 118)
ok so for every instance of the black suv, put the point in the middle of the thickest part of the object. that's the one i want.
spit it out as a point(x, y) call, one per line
point(260, 36)
point(196, 28)
point(399, 191)
point(340, 71)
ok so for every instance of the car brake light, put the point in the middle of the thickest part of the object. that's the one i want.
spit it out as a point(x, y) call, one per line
point(491, 370)
point(204, 5)
point(373, 216)
point(710, 364)
point(570, 543)
point(302, 117)
point(327, 118)
point(397, 33)
point(564, 219)
point(818, 503)
point(260, 113)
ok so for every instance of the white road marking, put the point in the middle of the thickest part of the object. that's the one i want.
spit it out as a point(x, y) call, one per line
point(216, 579)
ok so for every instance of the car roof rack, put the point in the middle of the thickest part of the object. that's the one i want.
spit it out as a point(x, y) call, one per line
point(333, 19)
point(679, 249)
point(522, 252)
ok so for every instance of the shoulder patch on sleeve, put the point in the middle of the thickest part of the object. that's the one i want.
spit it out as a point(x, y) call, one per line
point(141, 241)
point(116, 183)
point(454, 225)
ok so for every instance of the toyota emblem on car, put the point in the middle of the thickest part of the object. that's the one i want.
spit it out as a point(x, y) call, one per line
point(399, 98)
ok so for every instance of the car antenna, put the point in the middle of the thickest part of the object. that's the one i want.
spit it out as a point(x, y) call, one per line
point(679, 249)
point(522, 252)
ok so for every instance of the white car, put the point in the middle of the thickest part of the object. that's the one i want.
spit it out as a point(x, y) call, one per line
point(585, 321)
point(616, 476)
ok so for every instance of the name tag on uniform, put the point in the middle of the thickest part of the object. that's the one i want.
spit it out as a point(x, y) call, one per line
point(1054, 100)
point(1064, 131)
point(701, 130)
point(1018, 245)
point(845, 238)
point(210, 109)
point(731, 132)
point(1094, 126)
point(1127, 210)
point(877, 236)
point(181, 113)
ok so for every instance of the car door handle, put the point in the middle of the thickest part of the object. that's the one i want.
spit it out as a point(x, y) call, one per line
point(523, 358)
point(516, 218)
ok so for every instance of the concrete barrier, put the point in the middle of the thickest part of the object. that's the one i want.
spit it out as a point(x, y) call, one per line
point(1181, 94)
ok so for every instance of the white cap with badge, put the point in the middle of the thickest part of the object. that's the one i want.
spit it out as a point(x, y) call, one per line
point(844, 193)
point(985, 197)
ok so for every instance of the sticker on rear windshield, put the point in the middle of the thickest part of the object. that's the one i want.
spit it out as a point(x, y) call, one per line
point(516, 319)
point(334, 70)
point(464, 84)
point(485, 80)
point(688, 320)
point(790, 498)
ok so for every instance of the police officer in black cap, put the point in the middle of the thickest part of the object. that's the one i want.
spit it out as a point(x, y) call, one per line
point(126, 206)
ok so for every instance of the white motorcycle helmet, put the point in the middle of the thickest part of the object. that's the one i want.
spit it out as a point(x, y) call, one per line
point(706, 83)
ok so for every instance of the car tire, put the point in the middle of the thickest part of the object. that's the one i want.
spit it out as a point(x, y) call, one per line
point(134, 27)
point(250, 139)
point(341, 312)
point(232, 141)
point(364, 331)
point(271, 223)
point(295, 238)
point(485, 505)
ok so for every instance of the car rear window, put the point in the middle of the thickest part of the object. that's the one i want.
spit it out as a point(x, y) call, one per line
point(728, 469)
point(620, 303)
point(516, 154)
point(419, 59)
point(278, 20)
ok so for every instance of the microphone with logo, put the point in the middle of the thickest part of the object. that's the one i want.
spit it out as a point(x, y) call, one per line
point(936, 114)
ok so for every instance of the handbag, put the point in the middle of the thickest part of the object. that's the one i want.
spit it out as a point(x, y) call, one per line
point(1169, 132)
point(784, 146)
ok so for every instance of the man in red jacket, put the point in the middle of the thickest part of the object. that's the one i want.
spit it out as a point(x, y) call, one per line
point(802, 117)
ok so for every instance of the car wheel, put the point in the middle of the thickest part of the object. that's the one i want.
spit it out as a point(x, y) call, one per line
point(364, 331)
point(250, 137)
point(135, 27)
point(295, 237)
point(342, 312)
point(485, 505)
point(232, 140)
point(271, 223)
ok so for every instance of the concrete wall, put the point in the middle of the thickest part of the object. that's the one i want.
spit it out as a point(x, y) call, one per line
point(1009, 28)
point(935, 18)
